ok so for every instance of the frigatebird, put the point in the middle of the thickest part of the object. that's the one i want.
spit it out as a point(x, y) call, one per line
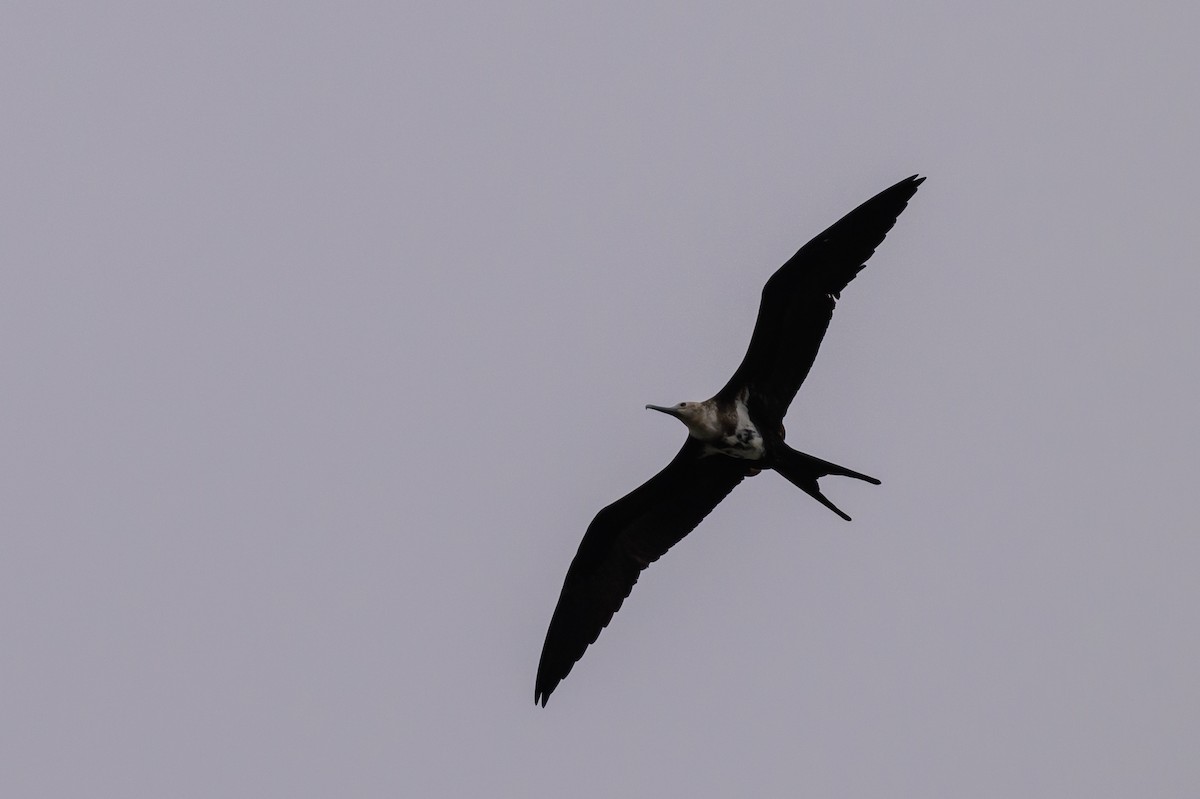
point(735, 434)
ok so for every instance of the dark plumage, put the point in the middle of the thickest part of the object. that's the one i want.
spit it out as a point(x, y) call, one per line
point(731, 436)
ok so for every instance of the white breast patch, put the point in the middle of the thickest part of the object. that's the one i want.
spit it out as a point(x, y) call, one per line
point(746, 442)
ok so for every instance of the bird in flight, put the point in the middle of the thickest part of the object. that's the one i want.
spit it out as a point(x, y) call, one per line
point(737, 433)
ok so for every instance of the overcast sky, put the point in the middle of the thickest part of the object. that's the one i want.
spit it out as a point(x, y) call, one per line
point(326, 328)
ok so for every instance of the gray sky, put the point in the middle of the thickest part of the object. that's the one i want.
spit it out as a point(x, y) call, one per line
point(326, 328)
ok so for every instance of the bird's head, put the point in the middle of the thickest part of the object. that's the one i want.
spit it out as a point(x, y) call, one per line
point(693, 414)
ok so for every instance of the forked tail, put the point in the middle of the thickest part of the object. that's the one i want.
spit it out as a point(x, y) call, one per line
point(803, 470)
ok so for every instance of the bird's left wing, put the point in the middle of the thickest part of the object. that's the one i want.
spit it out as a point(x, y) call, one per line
point(624, 538)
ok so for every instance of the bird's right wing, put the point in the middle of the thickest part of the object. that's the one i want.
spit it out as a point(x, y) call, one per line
point(624, 538)
point(798, 301)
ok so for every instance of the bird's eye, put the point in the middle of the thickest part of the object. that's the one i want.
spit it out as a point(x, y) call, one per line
point(682, 404)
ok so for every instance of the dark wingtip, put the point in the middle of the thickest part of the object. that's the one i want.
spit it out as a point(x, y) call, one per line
point(907, 187)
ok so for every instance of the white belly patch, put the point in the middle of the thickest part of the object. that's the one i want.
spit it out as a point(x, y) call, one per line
point(746, 442)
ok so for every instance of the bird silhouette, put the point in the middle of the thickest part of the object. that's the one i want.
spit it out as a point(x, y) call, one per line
point(736, 433)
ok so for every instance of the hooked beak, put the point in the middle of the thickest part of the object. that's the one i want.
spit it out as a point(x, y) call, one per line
point(669, 411)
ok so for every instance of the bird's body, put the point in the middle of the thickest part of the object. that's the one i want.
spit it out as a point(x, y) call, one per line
point(723, 426)
point(736, 433)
